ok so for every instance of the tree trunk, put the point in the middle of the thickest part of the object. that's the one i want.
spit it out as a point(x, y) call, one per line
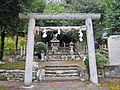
point(2, 43)
point(16, 44)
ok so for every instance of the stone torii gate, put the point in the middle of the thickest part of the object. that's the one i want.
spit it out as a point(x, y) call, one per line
point(61, 16)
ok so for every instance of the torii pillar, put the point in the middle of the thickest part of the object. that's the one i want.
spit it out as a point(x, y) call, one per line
point(29, 53)
point(61, 16)
point(91, 52)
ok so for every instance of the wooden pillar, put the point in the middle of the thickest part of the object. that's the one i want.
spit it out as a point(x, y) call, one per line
point(29, 53)
point(91, 52)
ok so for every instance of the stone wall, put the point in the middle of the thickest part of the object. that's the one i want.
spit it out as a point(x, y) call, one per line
point(109, 71)
point(112, 71)
point(15, 74)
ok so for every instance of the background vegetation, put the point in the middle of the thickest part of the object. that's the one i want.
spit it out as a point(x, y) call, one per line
point(12, 26)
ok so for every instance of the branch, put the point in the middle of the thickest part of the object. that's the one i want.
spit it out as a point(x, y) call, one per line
point(7, 2)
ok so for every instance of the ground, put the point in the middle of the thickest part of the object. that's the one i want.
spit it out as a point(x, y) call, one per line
point(105, 84)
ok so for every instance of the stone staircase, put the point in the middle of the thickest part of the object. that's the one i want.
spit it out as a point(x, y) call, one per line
point(62, 54)
point(58, 73)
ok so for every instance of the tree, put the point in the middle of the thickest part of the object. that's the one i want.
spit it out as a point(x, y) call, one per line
point(114, 19)
point(8, 16)
point(9, 19)
point(33, 6)
point(54, 8)
point(88, 6)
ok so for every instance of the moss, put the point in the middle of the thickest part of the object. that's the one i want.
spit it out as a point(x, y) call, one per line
point(111, 83)
point(3, 78)
point(3, 88)
point(13, 65)
point(87, 82)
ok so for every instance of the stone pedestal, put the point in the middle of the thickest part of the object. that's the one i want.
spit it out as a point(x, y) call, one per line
point(42, 56)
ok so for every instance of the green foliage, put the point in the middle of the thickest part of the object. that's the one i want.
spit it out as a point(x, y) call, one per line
point(28, 6)
point(9, 18)
point(114, 18)
point(54, 8)
point(22, 41)
point(31, 6)
point(73, 34)
point(100, 59)
point(40, 47)
point(87, 6)
point(9, 45)
point(10, 24)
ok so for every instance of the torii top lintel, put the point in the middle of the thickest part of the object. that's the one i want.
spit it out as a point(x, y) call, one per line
point(60, 16)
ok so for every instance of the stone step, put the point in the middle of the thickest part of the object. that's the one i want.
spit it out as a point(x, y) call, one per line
point(61, 75)
point(61, 78)
point(61, 71)
point(61, 67)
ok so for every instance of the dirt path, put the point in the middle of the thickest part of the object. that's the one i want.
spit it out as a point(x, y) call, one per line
point(67, 85)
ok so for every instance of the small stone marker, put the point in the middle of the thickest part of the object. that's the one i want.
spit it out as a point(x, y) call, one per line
point(2, 62)
point(11, 60)
point(40, 74)
point(114, 49)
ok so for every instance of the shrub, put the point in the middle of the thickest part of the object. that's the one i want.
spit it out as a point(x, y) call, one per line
point(40, 47)
point(100, 60)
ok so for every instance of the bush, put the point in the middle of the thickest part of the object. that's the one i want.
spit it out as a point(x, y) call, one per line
point(40, 47)
point(100, 60)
